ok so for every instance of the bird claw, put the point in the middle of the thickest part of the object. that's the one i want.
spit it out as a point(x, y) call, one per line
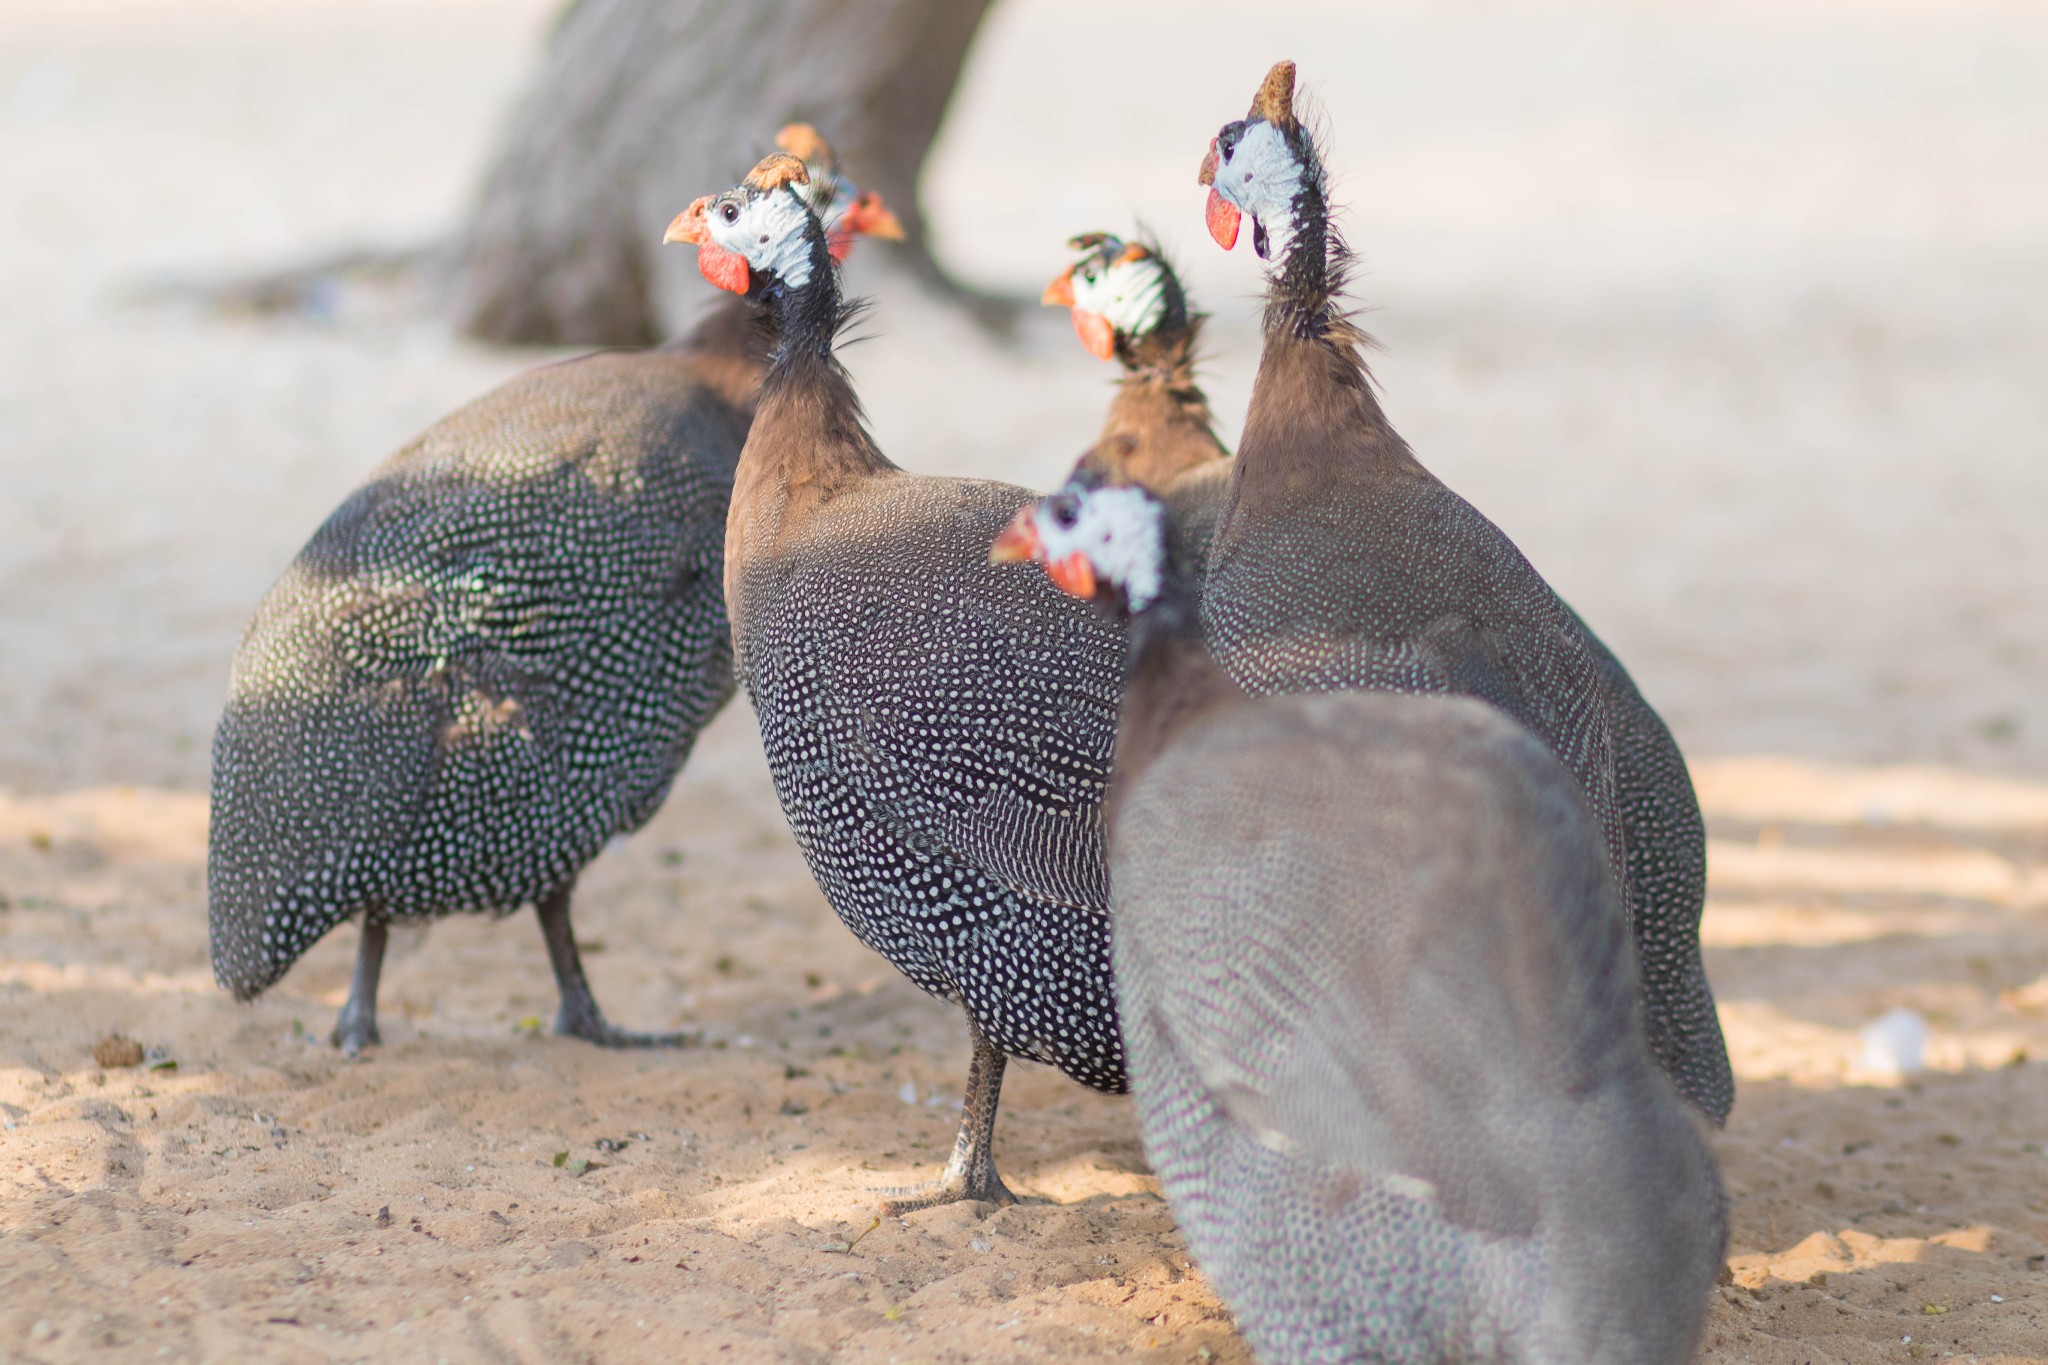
point(597, 1030)
point(951, 1188)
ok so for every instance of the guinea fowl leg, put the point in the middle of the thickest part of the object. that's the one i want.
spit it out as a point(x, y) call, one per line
point(971, 1174)
point(355, 1028)
point(579, 1016)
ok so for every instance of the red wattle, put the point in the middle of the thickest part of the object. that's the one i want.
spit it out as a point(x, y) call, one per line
point(1223, 219)
point(1074, 576)
point(725, 269)
point(1095, 333)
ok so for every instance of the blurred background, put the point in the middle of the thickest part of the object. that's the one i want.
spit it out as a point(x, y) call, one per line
point(1731, 314)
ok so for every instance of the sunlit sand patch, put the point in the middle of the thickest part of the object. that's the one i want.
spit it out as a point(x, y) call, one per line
point(1774, 790)
point(128, 821)
point(50, 979)
point(1852, 1249)
point(1959, 873)
point(1767, 1042)
point(1788, 923)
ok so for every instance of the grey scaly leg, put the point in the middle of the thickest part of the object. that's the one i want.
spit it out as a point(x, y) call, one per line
point(356, 1026)
point(579, 1016)
point(971, 1174)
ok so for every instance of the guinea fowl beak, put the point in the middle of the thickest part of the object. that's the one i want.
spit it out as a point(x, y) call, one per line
point(1095, 333)
point(1207, 175)
point(687, 227)
point(870, 215)
point(1019, 543)
point(867, 214)
point(1223, 219)
point(1060, 293)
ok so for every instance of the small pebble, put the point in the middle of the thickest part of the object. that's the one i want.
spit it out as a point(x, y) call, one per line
point(1896, 1043)
point(117, 1050)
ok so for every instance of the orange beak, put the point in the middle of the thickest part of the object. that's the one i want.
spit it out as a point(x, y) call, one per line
point(1223, 219)
point(687, 227)
point(1018, 544)
point(870, 215)
point(867, 214)
point(1095, 333)
point(1207, 175)
point(1060, 293)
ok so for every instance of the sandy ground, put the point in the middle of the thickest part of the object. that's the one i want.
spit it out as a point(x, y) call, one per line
point(1729, 314)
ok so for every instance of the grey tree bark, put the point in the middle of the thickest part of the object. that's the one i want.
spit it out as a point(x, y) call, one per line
point(639, 106)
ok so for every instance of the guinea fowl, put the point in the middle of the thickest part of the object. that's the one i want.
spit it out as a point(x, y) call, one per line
point(1383, 1028)
point(1340, 562)
point(938, 729)
point(493, 658)
point(1128, 303)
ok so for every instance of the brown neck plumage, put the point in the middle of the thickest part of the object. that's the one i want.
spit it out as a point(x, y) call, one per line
point(1314, 419)
point(1159, 425)
point(809, 440)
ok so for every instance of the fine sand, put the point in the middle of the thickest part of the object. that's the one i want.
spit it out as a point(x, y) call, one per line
point(1729, 315)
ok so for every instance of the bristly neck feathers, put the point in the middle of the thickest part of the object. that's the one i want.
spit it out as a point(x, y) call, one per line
point(1313, 415)
point(1159, 425)
point(809, 432)
point(1170, 677)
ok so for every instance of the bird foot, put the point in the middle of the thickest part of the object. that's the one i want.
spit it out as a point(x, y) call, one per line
point(593, 1028)
point(951, 1188)
point(354, 1031)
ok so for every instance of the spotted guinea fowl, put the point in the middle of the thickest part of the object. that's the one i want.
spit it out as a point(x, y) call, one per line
point(1380, 1010)
point(491, 659)
point(1127, 302)
point(1339, 561)
point(938, 729)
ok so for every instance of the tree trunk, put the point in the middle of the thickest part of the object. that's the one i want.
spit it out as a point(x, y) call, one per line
point(639, 106)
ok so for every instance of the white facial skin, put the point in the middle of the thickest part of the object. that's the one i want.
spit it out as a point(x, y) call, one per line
point(767, 229)
point(1261, 178)
point(1130, 294)
point(1118, 530)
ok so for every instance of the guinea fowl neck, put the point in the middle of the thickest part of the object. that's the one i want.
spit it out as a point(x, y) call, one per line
point(1170, 678)
point(1159, 425)
point(809, 433)
point(1313, 418)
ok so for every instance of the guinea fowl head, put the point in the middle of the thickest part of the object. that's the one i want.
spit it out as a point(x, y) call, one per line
point(1121, 295)
point(846, 210)
point(759, 233)
point(1263, 165)
point(1101, 542)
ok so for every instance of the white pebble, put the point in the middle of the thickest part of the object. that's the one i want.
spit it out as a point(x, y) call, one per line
point(908, 1093)
point(1896, 1043)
